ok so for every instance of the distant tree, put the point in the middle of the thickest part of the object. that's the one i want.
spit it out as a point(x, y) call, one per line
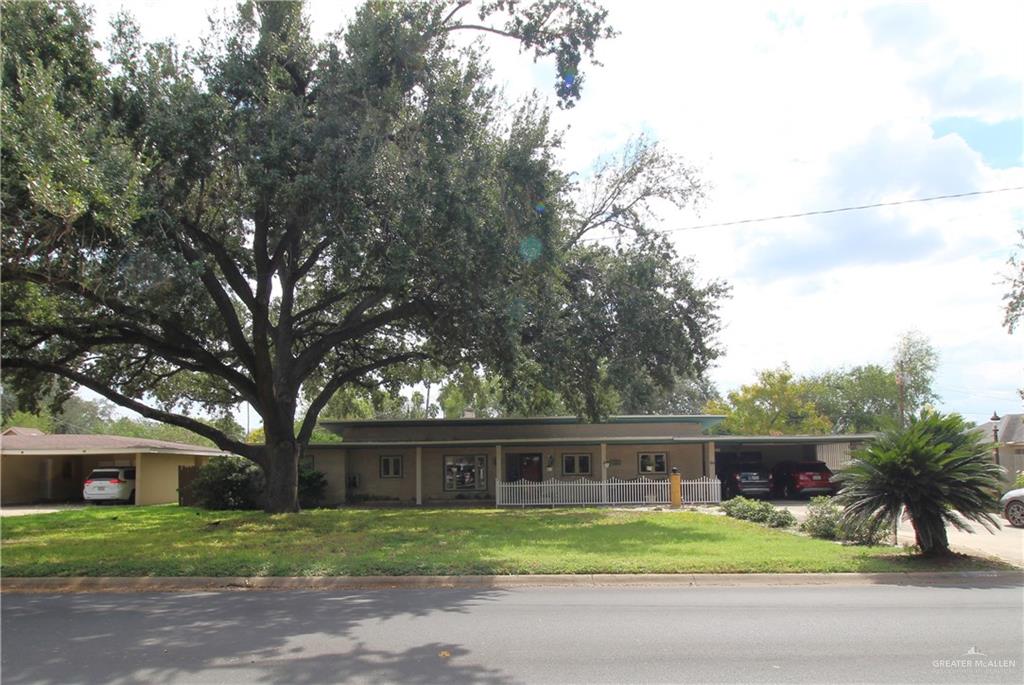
point(1014, 297)
point(936, 469)
point(42, 421)
point(777, 404)
point(914, 362)
point(685, 396)
point(79, 415)
point(469, 389)
point(858, 400)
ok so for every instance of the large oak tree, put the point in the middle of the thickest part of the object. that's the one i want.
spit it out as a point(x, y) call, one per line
point(269, 217)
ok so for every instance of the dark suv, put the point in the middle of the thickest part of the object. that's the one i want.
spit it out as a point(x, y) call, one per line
point(798, 478)
point(749, 480)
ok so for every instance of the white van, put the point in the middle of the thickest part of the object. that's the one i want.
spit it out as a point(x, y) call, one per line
point(110, 484)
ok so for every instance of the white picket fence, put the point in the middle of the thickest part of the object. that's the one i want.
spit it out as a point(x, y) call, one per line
point(583, 492)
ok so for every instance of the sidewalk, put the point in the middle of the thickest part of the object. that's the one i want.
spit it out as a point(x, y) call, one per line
point(683, 580)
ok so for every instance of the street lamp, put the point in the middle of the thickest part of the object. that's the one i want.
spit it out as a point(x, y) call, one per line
point(995, 436)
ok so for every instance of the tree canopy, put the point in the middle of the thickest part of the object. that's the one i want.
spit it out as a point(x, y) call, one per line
point(861, 399)
point(269, 218)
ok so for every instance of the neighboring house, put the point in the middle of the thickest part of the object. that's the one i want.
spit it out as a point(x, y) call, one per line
point(38, 467)
point(445, 460)
point(1010, 429)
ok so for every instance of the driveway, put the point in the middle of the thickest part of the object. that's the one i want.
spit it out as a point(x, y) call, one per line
point(26, 509)
point(1006, 544)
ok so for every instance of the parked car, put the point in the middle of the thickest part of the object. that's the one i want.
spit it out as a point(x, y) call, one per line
point(799, 478)
point(748, 480)
point(110, 484)
point(1013, 507)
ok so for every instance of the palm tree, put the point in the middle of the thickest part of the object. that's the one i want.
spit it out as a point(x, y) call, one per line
point(936, 468)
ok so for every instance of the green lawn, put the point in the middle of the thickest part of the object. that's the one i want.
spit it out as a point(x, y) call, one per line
point(181, 541)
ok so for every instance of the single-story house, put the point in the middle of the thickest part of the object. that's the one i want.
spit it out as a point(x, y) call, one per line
point(447, 460)
point(40, 467)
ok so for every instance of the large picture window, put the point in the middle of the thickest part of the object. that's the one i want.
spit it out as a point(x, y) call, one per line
point(465, 472)
point(653, 462)
point(576, 464)
point(391, 466)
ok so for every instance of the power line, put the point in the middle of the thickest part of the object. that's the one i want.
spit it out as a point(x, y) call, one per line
point(836, 210)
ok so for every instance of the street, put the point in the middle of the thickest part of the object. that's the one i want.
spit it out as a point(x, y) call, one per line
point(889, 633)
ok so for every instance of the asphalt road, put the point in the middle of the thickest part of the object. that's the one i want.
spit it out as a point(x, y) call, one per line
point(895, 634)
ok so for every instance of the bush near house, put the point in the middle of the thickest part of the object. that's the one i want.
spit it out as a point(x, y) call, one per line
point(758, 511)
point(825, 521)
point(237, 483)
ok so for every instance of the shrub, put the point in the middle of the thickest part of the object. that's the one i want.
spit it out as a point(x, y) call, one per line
point(861, 532)
point(758, 511)
point(237, 483)
point(312, 484)
point(228, 483)
point(780, 518)
point(823, 519)
point(1019, 483)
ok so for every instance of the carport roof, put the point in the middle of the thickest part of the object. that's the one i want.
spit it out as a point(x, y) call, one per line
point(96, 444)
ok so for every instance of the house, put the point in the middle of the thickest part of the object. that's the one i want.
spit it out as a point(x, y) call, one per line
point(450, 460)
point(39, 467)
point(1010, 432)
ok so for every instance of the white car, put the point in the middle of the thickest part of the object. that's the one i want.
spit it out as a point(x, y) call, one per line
point(110, 484)
point(1013, 507)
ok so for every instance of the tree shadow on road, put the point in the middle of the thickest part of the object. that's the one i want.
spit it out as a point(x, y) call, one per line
point(232, 636)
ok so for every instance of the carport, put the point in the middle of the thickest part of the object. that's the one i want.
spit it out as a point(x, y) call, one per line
point(37, 467)
point(769, 450)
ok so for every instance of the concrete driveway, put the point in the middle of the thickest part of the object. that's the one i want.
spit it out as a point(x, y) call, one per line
point(1006, 544)
point(26, 509)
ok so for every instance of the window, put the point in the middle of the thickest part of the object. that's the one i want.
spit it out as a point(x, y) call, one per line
point(465, 473)
point(129, 474)
point(576, 464)
point(391, 466)
point(653, 462)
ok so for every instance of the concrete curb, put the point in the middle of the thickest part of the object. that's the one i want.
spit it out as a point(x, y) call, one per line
point(228, 583)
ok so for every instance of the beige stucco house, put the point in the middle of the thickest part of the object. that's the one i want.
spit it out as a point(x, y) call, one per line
point(39, 467)
point(450, 460)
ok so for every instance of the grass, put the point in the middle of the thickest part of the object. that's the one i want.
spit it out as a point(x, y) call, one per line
point(181, 541)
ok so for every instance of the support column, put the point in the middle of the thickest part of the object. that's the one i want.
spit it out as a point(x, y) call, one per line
point(419, 475)
point(497, 474)
point(138, 480)
point(604, 473)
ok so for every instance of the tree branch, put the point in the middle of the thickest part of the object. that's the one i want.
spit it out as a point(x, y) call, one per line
point(222, 441)
point(335, 384)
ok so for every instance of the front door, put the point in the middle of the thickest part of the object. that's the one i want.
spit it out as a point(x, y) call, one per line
point(523, 467)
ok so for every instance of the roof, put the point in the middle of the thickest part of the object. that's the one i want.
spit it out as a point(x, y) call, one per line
point(68, 443)
point(611, 440)
point(704, 419)
point(1011, 429)
point(21, 430)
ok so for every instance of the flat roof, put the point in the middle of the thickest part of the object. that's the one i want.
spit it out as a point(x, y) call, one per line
point(610, 440)
point(704, 419)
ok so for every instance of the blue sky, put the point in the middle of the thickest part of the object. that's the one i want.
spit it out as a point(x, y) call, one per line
point(788, 107)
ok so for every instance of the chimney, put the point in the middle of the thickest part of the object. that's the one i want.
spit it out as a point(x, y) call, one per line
point(469, 413)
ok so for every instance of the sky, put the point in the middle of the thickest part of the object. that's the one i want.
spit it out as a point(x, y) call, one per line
point(794, 107)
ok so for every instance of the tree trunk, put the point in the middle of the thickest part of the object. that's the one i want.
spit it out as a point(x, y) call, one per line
point(939, 541)
point(282, 473)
